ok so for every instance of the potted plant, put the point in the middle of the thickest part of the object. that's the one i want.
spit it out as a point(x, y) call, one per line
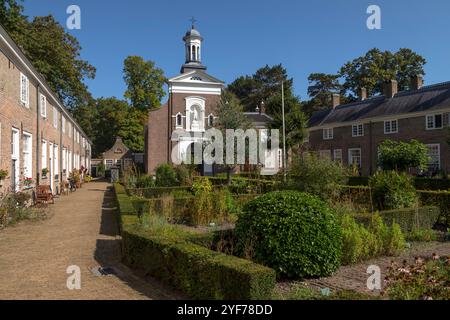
point(28, 182)
point(75, 176)
point(44, 173)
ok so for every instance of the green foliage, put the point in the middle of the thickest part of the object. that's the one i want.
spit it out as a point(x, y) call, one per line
point(184, 175)
point(424, 280)
point(361, 243)
point(3, 174)
point(144, 82)
point(293, 232)
point(166, 176)
point(422, 235)
point(318, 176)
point(392, 190)
point(440, 199)
point(400, 155)
point(166, 252)
point(375, 67)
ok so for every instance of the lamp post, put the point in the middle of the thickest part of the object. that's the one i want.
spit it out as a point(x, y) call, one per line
point(284, 132)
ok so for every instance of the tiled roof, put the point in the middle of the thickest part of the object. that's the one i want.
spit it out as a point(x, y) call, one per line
point(257, 117)
point(430, 98)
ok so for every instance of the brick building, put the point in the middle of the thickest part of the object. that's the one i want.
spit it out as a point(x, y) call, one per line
point(193, 97)
point(351, 133)
point(36, 130)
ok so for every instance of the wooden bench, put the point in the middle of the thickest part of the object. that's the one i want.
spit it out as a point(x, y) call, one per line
point(44, 195)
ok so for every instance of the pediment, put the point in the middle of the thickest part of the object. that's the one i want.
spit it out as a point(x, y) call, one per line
point(196, 76)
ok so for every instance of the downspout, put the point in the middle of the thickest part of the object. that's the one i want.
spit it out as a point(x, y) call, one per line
point(60, 150)
point(38, 136)
point(169, 123)
point(371, 147)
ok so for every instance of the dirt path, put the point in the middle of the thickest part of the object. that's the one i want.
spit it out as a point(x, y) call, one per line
point(82, 231)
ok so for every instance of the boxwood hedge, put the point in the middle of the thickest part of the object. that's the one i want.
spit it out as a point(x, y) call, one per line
point(197, 271)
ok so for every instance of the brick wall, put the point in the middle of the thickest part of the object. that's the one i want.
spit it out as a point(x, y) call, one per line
point(408, 129)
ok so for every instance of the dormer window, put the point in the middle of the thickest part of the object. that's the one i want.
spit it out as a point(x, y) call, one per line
point(210, 120)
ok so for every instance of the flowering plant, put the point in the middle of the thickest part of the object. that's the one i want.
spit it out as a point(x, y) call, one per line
point(28, 181)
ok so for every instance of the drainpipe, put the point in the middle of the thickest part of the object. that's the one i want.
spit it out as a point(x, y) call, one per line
point(371, 147)
point(38, 136)
point(169, 123)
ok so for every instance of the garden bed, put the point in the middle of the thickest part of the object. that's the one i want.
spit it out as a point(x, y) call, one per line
point(167, 253)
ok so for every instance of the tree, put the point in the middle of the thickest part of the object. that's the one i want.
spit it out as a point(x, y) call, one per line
point(144, 83)
point(376, 67)
point(401, 156)
point(230, 114)
point(113, 117)
point(264, 85)
point(11, 16)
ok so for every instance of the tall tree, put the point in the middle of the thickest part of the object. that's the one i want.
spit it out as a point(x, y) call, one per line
point(230, 115)
point(145, 83)
point(11, 16)
point(321, 87)
point(376, 67)
point(264, 85)
point(113, 117)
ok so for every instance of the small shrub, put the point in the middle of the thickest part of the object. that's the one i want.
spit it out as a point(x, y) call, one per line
point(184, 175)
point(166, 176)
point(318, 176)
point(392, 190)
point(293, 232)
point(145, 181)
point(422, 235)
point(360, 243)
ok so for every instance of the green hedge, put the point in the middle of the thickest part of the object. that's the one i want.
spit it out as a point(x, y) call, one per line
point(419, 183)
point(440, 199)
point(199, 272)
point(181, 262)
point(408, 219)
point(157, 192)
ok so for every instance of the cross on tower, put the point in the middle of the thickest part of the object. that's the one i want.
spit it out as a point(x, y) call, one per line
point(193, 21)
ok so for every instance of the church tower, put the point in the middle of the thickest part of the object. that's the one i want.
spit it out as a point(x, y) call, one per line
point(191, 108)
point(193, 46)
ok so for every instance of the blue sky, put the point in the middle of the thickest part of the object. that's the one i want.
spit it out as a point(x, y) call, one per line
point(241, 36)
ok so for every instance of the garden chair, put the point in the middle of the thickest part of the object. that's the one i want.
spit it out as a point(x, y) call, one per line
point(44, 195)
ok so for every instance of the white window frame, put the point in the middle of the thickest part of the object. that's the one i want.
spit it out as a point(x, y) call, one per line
point(390, 122)
point(63, 124)
point(44, 159)
point(55, 117)
point(433, 122)
point(328, 133)
point(43, 106)
point(337, 155)
point(24, 90)
point(350, 157)
point(438, 145)
point(27, 151)
point(359, 133)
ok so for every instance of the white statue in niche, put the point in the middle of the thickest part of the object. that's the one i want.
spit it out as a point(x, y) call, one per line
point(195, 118)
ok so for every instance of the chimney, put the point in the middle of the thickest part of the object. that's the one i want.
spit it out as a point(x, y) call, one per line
point(335, 100)
point(416, 82)
point(362, 93)
point(390, 88)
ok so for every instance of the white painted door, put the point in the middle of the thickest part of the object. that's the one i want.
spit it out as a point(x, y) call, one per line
point(51, 169)
point(15, 157)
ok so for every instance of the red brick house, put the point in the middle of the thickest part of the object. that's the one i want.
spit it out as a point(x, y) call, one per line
point(36, 131)
point(351, 133)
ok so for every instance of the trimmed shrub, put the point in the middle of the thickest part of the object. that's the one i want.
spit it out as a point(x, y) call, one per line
point(184, 175)
point(293, 232)
point(392, 190)
point(195, 270)
point(422, 235)
point(432, 184)
point(166, 176)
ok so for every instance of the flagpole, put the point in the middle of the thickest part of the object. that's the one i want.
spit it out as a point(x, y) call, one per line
point(284, 132)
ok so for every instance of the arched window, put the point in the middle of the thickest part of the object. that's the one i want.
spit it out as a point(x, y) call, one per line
point(210, 120)
point(179, 120)
point(198, 53)
point(193, 53)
